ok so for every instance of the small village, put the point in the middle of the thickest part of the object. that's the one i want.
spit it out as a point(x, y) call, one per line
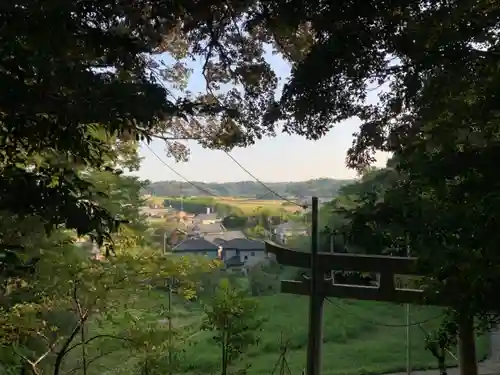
point(205, 234)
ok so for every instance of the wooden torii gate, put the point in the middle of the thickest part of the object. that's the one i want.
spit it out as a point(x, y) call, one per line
point(317, 288)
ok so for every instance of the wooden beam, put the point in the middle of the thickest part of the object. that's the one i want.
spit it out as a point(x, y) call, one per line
point(345, 262)
point(316, 298)
point(387, 267)
point(361, 292)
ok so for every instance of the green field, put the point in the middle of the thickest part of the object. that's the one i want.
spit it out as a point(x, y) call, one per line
point(358, 337)
point(247, 205)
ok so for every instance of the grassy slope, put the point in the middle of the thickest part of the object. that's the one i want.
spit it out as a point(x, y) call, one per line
point(353, 344)
point(151, 306)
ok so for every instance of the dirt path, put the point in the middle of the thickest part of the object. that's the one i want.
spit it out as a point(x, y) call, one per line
point(490, 366)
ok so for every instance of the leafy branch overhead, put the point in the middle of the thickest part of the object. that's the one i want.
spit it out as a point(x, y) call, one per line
point(413, 55)
point(107, 73)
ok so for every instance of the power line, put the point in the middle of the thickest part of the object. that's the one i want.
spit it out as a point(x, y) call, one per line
point(384, 324)
point(210, 193)
point(303, 206)
point(206, 191)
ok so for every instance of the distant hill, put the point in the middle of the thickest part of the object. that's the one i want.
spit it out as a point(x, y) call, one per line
point(322, 187)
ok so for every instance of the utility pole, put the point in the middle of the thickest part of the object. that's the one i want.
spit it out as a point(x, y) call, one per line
point(315, 338)
point(169, 283)
point(165, 242)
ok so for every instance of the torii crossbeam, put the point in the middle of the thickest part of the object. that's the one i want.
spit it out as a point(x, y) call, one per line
point(387, 267)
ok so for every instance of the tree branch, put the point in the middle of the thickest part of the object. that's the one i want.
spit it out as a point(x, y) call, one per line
point(34, 364)
point(64, 349)
point(90, 361)
point(82, 320)
point(98, 337)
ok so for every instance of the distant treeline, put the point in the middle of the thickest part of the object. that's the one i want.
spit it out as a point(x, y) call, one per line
point(322, 187)
point(198, 205)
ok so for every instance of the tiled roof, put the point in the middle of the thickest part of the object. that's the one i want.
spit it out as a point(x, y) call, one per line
point(244, 244)
point(208, 228)
point(195, 244)
point(218, 241)
point(225, 236)
point(206, 217)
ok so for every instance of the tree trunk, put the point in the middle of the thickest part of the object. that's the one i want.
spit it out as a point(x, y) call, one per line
point(62, 352)
point(442, 361)
point(84, 349)
point(224, 354)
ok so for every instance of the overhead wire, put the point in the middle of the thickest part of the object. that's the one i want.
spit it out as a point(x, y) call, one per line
point(206, 191)
point(281, 197)
point(303, 206)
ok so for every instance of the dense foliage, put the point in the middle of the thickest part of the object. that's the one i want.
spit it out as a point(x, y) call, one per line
point(233, 316)
point(72, 308)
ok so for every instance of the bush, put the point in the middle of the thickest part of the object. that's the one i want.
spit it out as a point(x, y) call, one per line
point(262, 283)
point(235, 221)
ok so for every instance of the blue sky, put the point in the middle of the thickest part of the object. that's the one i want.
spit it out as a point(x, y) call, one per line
point(282, 158)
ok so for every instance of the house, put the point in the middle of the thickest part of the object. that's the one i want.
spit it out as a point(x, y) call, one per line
point(154, 212)
point(183, 217)
point(248, 252)
point(176, 236)
point(207, 218)
point(235, 264)
point(202, 230)
point(219, 238)
point(218, 241)
point(283, 231)
point(197, 246)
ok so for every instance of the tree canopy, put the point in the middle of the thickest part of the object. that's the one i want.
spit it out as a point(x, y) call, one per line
point(433, 60)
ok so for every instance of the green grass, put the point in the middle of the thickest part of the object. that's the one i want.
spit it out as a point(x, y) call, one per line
point(250, 206)
point(357, 339)
point(247, 205)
